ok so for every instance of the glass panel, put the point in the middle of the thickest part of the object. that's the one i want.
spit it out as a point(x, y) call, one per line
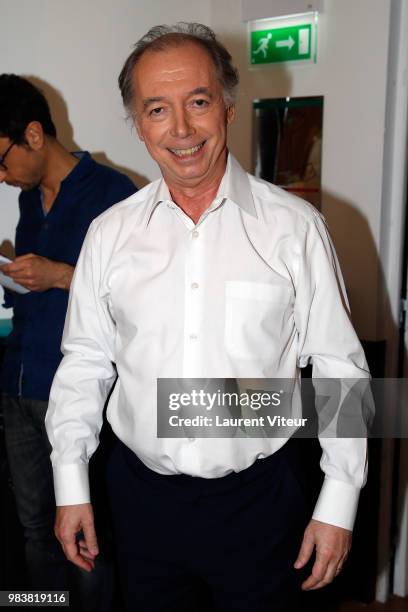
point(288, 144)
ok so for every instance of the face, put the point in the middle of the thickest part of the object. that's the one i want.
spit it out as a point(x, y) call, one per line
point(181, 116)
point(24, 162)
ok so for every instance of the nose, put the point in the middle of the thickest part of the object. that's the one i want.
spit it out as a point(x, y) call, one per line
point(181, 124)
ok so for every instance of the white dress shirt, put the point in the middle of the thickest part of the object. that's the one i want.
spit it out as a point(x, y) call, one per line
point(253, 290)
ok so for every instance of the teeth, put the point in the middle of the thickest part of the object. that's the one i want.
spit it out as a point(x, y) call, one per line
point(185, 152)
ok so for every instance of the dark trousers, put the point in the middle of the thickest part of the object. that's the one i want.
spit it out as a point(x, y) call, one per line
point(193, 544)
point(28, 451)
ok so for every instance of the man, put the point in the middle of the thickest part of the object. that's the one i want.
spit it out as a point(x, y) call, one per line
point(60, 195)
point(207, 273)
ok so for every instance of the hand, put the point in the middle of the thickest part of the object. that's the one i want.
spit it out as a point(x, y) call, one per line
point(332, 548)
point(39, 273)
point(69, 521)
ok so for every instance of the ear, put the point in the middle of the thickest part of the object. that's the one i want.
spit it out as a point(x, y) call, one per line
point(231, 112)
point(34, 135)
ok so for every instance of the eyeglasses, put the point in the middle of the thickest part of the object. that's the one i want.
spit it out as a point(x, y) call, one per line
point(3, 157)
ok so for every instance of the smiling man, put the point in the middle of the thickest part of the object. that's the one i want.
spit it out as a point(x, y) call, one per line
point(185, 130)
point(205, 273)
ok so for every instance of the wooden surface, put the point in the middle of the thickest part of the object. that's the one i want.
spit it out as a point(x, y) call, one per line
point(397, 604)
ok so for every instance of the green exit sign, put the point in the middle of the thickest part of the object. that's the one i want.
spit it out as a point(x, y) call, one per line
point(282, 44)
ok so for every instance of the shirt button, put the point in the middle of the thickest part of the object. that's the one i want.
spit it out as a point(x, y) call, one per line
point(193, 337)
point(170, 206)
point(195, 234)
point(195, 285)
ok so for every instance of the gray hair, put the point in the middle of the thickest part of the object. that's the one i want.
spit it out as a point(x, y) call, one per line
point(161, 37)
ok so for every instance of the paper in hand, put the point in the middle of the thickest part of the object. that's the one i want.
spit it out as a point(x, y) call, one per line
point(7, 282)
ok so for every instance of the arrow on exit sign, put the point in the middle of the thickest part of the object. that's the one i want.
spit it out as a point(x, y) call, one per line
point(287, 44)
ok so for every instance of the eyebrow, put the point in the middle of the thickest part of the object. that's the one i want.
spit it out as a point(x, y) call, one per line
point(194, 92)
point(147, 101)
point(201, 90)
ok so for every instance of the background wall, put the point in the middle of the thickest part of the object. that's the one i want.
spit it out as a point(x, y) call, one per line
point(76, 49)
point(351, 73)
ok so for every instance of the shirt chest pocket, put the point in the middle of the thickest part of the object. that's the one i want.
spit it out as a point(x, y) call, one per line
point(257, 316)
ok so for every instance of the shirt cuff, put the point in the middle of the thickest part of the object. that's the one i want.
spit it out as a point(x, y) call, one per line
point(337, 503)
point(71, 484)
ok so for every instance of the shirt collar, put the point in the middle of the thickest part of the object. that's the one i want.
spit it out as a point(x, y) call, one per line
point(234, 186)
point(85, 165)
point(81, 169)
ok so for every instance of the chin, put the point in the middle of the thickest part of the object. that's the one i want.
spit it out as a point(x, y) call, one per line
point(191, 170)
point(22, 186)
point(27, 187)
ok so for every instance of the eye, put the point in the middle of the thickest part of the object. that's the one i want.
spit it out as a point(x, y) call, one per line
point(155, 112)
point(200, 103)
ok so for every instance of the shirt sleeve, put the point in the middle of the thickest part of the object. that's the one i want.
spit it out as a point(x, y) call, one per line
point(83, 379)
point(327, 339)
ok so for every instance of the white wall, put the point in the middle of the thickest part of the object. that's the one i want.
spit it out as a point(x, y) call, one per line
point(351, 73)
point(78, 48)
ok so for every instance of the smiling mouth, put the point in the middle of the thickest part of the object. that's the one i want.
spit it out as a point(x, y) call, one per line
point(187, 152)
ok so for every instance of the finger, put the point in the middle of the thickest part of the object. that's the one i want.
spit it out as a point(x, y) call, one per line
point(7, 268)
point(24, 274)
point(327, 578)
point(91, 564)
point(90, 537)
point(84, 551)
point(72, 554)
point(87, 555)
point(25, 257)
point(14, 268)
point(25, 262)
point(20, 276)
point(305, 551)
point(318, 572)
point(85, 564)
point(340, 564)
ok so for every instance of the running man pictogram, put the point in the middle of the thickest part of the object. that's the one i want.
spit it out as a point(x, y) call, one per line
point(263, 44)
